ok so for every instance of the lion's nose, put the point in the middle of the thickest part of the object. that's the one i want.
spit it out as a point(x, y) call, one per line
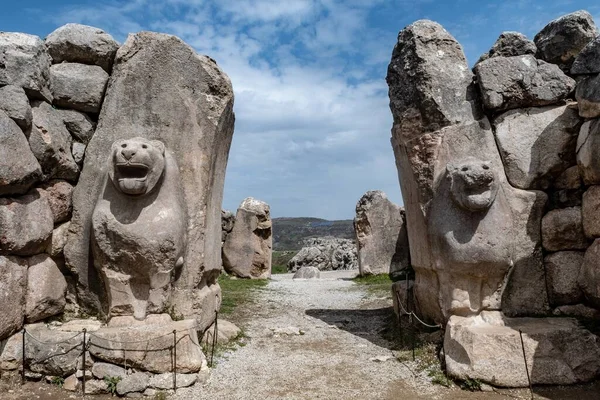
point(128, 153)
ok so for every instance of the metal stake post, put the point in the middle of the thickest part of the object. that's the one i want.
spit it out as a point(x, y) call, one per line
point(214, 343)
point(175, 360)
point(83, 359)
point(23, 361)
point(526, 366)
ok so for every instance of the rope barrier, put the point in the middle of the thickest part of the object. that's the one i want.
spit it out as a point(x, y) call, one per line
point(415, 315)
point(50, 343)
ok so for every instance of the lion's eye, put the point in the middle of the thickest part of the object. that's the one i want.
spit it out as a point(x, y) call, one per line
point(124, 145)
point(486, 166)
point(144, 146)
point(464, 169)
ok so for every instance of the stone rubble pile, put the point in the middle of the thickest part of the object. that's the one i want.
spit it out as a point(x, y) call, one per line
point(325, 254)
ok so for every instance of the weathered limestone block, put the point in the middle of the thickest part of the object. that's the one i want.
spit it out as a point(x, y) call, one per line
point(165, 381)
point(46, 289)
point(561, 40)
point(587, 95)
point(562, 229)
point(14, 102)
point(26, 224)
point(325, 254)
point(51, 351)
point(26, 64)
point(488, 348)
point(588, 60)
point(84, 44)
point(588, 152)
point(13, 286)
point(590, 211)
point(19, 169)
point(562, 271)
point(537, 144)
point(139, 228)
point(226, 332)
point(96, 386)
point(101, 370)
point(78, 152)
point(510, 44)
point(521, 81)
point(150, 343)
point(247, 249)
point(202, 303)
point(11, 352)
point(454, 203)
point(50, 142)
point(72, 384)
point(188, 105)
point(79, 125)
point(59, 195)
point(589, 276)
point(136, 382)
point(78, 86)
point(307, 273)
point(381, 236)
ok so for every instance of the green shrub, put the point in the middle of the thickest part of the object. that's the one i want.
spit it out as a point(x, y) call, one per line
point(111, 383)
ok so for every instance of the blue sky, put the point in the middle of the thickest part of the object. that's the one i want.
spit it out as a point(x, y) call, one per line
point(313, 123)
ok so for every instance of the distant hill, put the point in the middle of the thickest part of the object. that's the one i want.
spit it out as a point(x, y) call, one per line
point(288, 233)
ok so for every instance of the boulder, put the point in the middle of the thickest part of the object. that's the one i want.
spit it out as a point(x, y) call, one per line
point(562, 270)
point(160, 89)
point(561, 40)
point(79, 125)
point(78, 86)
point(46, 289)
point(589, 275)
point(488, 348)
point(26, 224)
point(51, 351)
point(521, 81)
point(381, 236)
point(165, 381)
point(587, 95)
point(147, 345)
point(96, 386)
point(71, 383)
point(19, 169)
point(307, 273)
point(59, 195)
point(14, 102)
point(103, 370)
point(537, 144)
point(325, 254)
point(510, 44)
point(590, 211)
point(569, 179)
point(247, 249)
point(136, 382)
point(13, 288)
point(588, 152)
point(562, 229)
point(50, 142)
point(84, 44)
point(226, 332)
point(26, 64)
point(588, 60)
point(11, 352)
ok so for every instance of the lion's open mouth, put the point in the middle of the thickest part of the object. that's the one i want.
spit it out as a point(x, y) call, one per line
point(132, 178)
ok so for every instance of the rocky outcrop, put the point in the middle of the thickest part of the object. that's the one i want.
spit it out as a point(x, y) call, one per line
point(325, 254)
point(188, 107)
point(247, 248)
point(381, 236)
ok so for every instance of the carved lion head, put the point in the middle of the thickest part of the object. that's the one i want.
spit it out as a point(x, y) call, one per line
point(136, 165)
point(473, 184)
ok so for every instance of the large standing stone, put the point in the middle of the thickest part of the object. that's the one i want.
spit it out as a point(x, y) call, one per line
point(82, 44)
point(25, 64)
point(590, 211)
point(25, 224)
point(537, 144)
point(588, 96)
point(51, 143)
point(521, 81)
point(19, 169)
point(161, 89)
point(46, 289)
point(381, 236)
point(589, 276)
point(562, 270)
point(488, 348)
point(562, 39)
point(78, 124)
point(13, 286)
point(325, 254)
point(14, 102)
point(78, 86)
point(588, 152)
point(147, 345)
point(588, 60)
point(247, 249)
point(59, 195)
point(510, 44)
point(562, 229)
